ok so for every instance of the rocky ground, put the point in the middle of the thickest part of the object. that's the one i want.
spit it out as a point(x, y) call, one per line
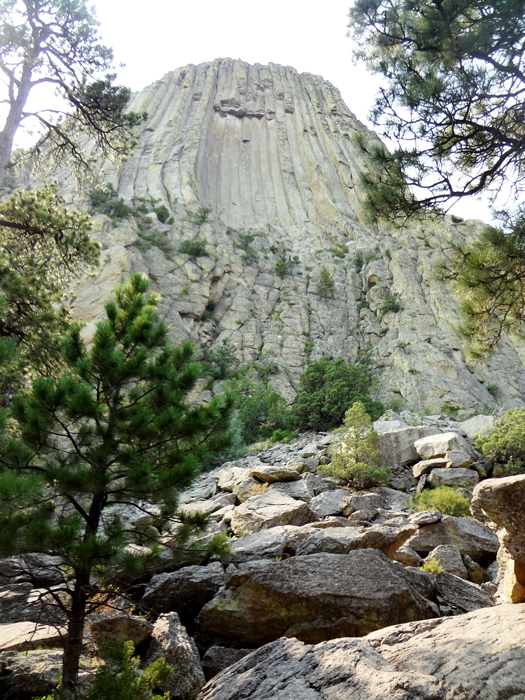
point(320, 579)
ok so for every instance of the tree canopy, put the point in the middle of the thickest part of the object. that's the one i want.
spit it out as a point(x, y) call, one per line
point(56, 42)
point(452, 99)
point(114, 430)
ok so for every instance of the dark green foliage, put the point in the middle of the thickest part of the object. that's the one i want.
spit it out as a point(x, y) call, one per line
point(119, 677)
point(245, 244)
point(444, 499)
point(162, 213)
point(359, 261)
point(339, 252)
point(493, 389)
point(454, 75)
point(282, 436)
point(391, 303)
point(154, 238)
point(281, 267)
point(326, 285)
point(328, 389)
point(308, 347)
point(449, 409)
point(36, 265)
point(194, 249)
point(489, 276)
point(200, 216)
point(222, 362)
point(115, 427)
point(505, 445)
point(261, 413)
point(104, 200)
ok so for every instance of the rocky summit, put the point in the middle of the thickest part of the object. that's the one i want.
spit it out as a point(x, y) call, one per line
point(276, 156)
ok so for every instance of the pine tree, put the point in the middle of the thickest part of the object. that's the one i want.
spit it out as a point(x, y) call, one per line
point(115, 428)
point(326, 285)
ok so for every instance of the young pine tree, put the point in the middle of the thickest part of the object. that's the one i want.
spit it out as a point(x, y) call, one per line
point(326, 285)
point(114, 429)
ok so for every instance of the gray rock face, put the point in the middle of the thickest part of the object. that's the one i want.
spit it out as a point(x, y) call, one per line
point(450, 559)
point(272, 152)
point(469, 536)
point(397, 445)
point(341, 540)
point(439, 445)
point(120, 628)
point(313, 598)
point(184, 592)
point(328, 503)
point(22, 636)
point(453, 477)
point(269, 510)
point(463, 595)
point(216, 659)
point(478, 656)
point(170, 641)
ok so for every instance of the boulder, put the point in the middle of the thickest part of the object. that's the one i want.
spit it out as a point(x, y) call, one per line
point(426, 466)
point(269, 474)
point(477, 426)
point(300, 490)
point(457, 459)
point(341, 540)
point(247, 488)
point(477, 656)
point(469, 536)
point(216, 659)
point(450, 559)
point(228, 477)
point(434, 446)
point(460, 594)
point(270, 544)
point(22, 636)
point(391, 499)
point(328, 502)
point(367, 504)
point(33, 674)
point(425, 517)
point(397, 446)
point(269, 510)
point(500, 501)
point(408, 557)
point(21, 602)
point(119, 628)
point(39, 569)
point(453, 477)
point(423, 582)
point(476, 573)
point(185, 591)
point(313, 598)
point(171, 642)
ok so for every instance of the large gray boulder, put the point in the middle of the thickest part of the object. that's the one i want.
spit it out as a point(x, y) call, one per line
point(185, 591)
point(270, 544)
point(341, 540)
point(396, 446)
point(500, 502)
point(21, 602)
point(453, 477)
point(462, 595)
point(171, 642)
point(22, 636)
point(269, 510)
point(478, 656)
point(216, 659)
point(328, 502)
point(313, 598)
point(439, 445)
point(469, 536)
point(449, 558)
point(119, 628)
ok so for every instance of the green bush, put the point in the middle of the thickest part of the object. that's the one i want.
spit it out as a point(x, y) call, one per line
point(104, 200)
point(355, 457)
point(506, 444)
point(359, 261)
point(222, 362)
point(328, 389)
point(432, 566)
point(326, 285)
point(391, 303)
point(120, 679)
point(281, 268)
point(194, 249)
point(162, 214)
point(444, 499)
point(200, 216)
point(450, 409)
point(262, 413)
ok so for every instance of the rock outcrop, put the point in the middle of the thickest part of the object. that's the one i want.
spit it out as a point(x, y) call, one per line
point(478, 656)
point(277, 156)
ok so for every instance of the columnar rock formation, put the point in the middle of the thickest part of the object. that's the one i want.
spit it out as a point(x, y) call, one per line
point(277, 155)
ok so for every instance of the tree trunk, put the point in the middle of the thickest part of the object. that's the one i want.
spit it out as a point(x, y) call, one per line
point(75, 634)
point(14, 117)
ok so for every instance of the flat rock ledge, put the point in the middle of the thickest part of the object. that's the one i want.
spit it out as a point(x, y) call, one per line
point(477, 656)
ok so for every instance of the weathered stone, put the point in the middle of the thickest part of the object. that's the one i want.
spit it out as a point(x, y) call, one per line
point(119, 628)
point(21, 602)
point(391, 498)
point(423, 582)
point(302, 490)
point(453, 477)
point(457, 460)
point(434, 446)
point(478, 656)
point(270, 474)
point(33, 674)
point(39, 569)
point(269, 510)
point(408, 557)
point(468, 535)
point(367, 504)
point(228, 477)
point(476, 573)
point(397, 446)
point(22, 636)
point(514, 581)
point(425, 517)
point(217, 659)
point(171, 642)
point(315, 597)
point(461, 594)
point(341, 540)
point(270, 544)
point(247, 488)
point(328, 503)
point(185, 591)
point(426, 466)
point(450, 559)
point(477, 426)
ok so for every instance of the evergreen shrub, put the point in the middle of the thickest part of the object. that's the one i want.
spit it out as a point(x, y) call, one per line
point(444, 499)
point(506, 443)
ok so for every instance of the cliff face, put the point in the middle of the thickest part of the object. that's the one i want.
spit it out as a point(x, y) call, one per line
point(272, 153)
